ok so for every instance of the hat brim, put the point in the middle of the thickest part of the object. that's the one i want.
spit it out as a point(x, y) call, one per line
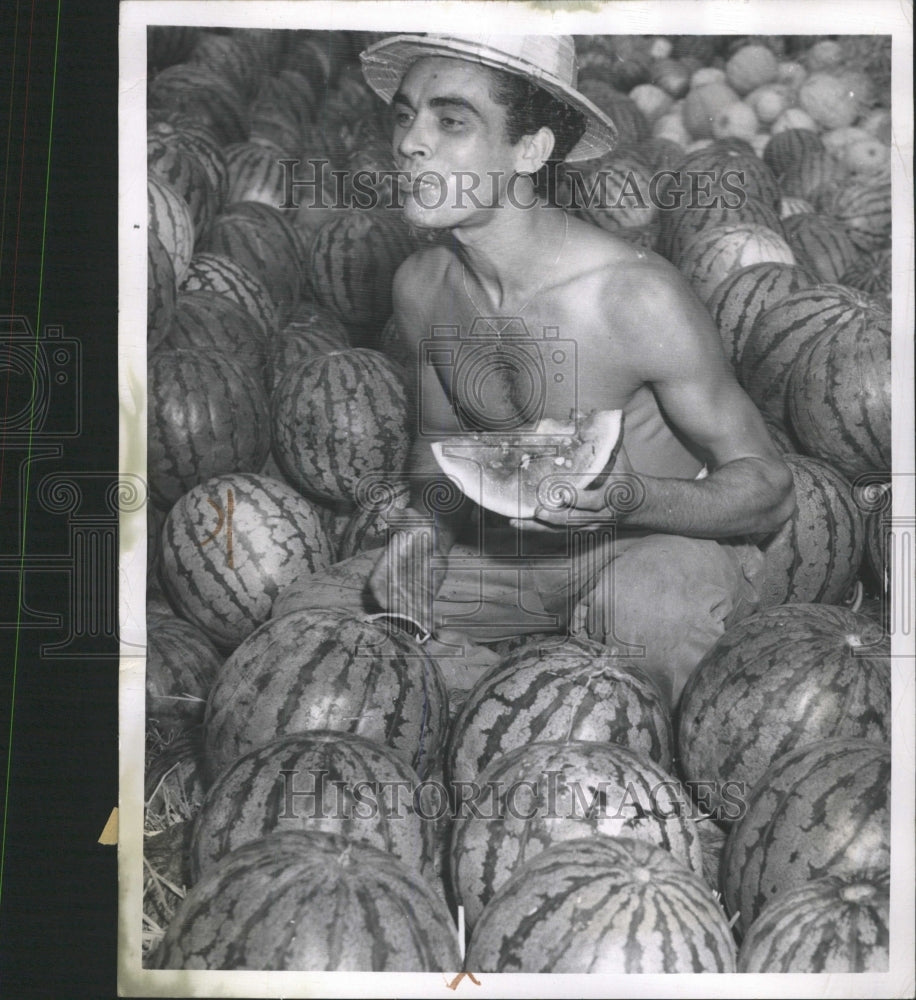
point(385, 63)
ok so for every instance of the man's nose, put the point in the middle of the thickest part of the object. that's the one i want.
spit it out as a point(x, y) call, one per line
point(416, 141)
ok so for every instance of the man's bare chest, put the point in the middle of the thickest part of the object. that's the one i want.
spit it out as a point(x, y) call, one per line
point(504, 374)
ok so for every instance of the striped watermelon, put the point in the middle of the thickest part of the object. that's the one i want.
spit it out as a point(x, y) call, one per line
point(318, 54)
point(313, 901)
point(275, 130)
point(174, 770)
point(310, 332)
point(864, 209)
point(839, 395)
point(181, 665)
point(780, 679)
point(613, 191)
point(350, 99)
point(822, 809)
point(157, 605)
point(680, 224)
point(230, 545)
point(334, 128)
point(738, 300)
point(208, 322)
point(169, 217)
point(266, 45)
point(821, 245)
point(155, 518)
point(871, 273)
point(229, 57)
point(161, 292)
point(370, 177)
point(352, 261)
point(288, 92)
point(815, 555)
point(540, 794)
point(322, 780)
point(324, 669)
point(320, 201)
point(811, 177)
point(255, 173)
point(837, 923)
point(183, 172)
point(786, 150)
point(338, 418)
point(207, 415)
point(717, 252)
point(352, 95)
point(726, 163)
point(367, 528)
point(658, 153)
point(781, 333)
point(606, 905)
point(793, 206)
point(260, 238)
point(218, 273)
point(180, 132)
point(783, 440)
point(168, 44)
point(632, 125)
point(580, 692)
point(204, 95)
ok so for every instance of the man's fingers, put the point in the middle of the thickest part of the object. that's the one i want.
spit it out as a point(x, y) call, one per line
point(529, 524)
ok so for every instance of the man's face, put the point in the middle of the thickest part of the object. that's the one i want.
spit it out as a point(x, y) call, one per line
point(447, 126)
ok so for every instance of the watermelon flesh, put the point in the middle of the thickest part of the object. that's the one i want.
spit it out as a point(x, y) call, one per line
point(514, 474)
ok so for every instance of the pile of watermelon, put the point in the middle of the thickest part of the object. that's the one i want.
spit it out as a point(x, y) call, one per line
point(317, 796)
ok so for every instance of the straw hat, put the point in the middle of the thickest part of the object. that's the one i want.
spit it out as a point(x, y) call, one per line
point(546, 60)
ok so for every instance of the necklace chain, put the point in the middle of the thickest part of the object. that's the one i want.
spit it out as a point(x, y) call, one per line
point(499, 330)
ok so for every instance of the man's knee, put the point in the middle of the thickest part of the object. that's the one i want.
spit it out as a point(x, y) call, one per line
point(664, 602)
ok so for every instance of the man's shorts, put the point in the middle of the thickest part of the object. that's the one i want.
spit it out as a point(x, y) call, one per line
point(658, 600)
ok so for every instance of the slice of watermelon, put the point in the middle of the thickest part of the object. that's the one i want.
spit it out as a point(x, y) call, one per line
point(514, 474)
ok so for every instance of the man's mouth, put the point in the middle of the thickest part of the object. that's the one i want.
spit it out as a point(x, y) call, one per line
point(424, 187)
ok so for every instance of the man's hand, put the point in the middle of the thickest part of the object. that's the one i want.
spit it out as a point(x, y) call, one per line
point(610, 496)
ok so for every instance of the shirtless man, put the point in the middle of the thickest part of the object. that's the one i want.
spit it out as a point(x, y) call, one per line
point(682, 570)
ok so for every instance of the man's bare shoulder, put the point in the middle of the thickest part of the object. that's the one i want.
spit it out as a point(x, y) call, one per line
point(631, 283)
point(600, 255)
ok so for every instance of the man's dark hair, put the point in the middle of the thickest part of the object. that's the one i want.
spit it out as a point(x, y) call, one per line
point(529, 108)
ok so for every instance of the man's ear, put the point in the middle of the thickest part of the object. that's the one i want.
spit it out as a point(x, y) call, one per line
point(534, 150)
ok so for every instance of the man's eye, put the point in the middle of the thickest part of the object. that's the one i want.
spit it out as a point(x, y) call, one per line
point(450, 123)
point(403, 118)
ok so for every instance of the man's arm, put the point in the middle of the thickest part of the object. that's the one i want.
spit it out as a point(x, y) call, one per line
point(430, 412)
point(678, 353)
point(402, 580)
